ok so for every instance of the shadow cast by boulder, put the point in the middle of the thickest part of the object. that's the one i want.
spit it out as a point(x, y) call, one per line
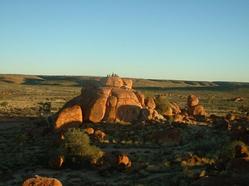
point(128, 113)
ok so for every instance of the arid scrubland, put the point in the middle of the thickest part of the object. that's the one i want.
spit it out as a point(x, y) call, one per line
point(114, 131)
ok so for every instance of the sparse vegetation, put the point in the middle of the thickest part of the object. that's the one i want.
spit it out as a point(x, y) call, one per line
point(77, 148)
point(26, 137)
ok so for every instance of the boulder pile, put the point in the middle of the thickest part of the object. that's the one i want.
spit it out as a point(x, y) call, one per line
point(194, 107)
point(113, 100)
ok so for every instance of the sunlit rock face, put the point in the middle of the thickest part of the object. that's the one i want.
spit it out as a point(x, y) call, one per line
point(113, 101)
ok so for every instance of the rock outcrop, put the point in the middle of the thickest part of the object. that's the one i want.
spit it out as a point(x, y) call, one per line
point(113, 101)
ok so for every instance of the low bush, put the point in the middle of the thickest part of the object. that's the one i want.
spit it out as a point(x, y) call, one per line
point(77, 148)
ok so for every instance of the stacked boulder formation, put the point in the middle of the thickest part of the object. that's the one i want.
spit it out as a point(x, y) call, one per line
point(113, 101)
point(194, 107)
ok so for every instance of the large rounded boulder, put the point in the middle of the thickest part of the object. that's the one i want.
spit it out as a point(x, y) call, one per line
point(69, 117)
point(113, 101)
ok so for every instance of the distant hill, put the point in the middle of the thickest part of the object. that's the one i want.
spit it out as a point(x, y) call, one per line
point(82, 81)
point(18, 79)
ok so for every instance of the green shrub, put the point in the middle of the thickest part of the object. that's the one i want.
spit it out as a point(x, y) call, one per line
point(76, 146)
point(162, 104)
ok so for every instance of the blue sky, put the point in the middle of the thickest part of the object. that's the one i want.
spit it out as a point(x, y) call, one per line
point(162, 39)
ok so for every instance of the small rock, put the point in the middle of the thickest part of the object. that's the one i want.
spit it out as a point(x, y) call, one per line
point(41, 181)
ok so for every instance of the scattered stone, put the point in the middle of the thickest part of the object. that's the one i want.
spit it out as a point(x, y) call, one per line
point(123, 161)
point(89, 130)
point(100, 135)
point(41, 181)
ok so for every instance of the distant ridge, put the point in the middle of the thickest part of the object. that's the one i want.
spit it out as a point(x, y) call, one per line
point(82, 81)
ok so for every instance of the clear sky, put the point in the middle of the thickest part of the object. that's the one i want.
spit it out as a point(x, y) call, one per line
point(163, 39)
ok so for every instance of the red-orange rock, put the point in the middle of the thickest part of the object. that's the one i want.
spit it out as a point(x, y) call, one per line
point(179, 118)
point(97, 108)
point(175, 108)
point(89, 130)
point(110, 103)
point(128, 106)
point(197, 110)
point(192, 100)
point(150, 103)
point(41, 181)
point(114, 81)
point(123, 161)
point(127, 83)
point(69, 117)
point(111, 109)
point(140, 98)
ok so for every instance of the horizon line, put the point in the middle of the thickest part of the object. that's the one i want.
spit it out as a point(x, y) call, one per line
point(76, 75)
